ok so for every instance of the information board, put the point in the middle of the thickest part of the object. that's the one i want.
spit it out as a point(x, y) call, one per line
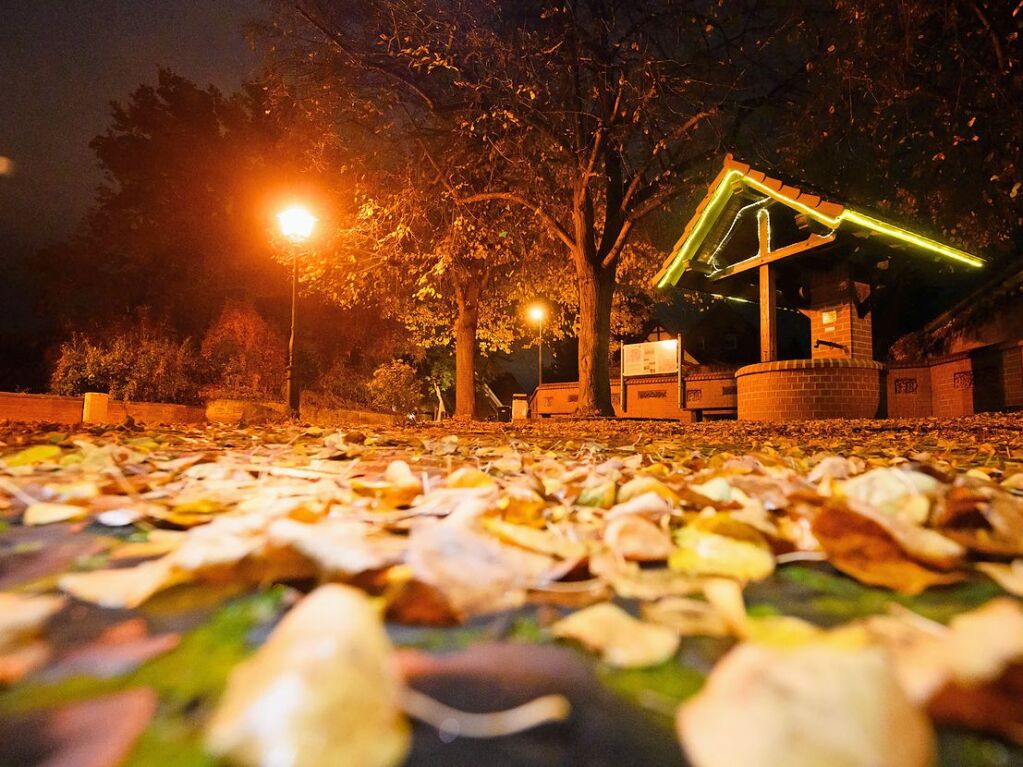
point(650, 358)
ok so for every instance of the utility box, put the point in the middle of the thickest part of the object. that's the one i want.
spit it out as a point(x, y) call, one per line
point(520, 407)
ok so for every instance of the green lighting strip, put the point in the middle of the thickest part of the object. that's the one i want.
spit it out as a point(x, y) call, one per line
point(723, 192)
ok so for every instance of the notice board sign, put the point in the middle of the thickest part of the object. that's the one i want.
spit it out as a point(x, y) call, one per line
point(650, 358)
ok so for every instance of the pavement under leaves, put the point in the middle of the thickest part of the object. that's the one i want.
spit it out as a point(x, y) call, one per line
point(649, 588)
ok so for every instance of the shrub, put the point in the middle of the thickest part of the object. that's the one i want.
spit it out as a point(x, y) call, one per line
point(343, 385)
point(395, 388)
point(141, 364)
point(247, 355)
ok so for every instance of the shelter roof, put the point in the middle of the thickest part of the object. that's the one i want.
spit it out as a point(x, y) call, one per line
point(738, 188)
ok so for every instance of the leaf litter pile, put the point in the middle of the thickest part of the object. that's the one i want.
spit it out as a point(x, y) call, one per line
point(824, 593)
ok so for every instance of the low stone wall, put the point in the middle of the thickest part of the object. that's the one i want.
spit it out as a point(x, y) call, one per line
point(49, 408)
point(247, 411)
point(794, 390)
point(154, 412)
point(52, 408)
point(980, 380)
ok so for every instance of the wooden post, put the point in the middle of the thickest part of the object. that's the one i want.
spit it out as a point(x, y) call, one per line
point(768, 294)
point(768, 326)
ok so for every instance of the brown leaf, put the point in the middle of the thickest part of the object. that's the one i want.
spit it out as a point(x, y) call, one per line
point(862, 548)
point(99, 732)
point(996, 707)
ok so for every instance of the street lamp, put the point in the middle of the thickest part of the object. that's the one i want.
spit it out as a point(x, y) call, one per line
point(537, 313)
point(296, 224)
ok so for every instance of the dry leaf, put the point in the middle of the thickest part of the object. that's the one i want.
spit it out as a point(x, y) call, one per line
point(638, 539)
point(621, 640)
point(862, 548)
point(322, 690)
point(474, 571)
point(552, 540)
point(1008, 576)
point(700, 552)
point(339, 547)
point(124, 588)
point(100, 732)
point(808, 706)
point(24, 615)
point(49, 513)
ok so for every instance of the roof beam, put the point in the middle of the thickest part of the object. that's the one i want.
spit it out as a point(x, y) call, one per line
point(813, 241)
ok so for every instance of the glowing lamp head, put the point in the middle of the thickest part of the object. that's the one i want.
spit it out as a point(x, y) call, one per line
point(296, 223)
point(536, 313)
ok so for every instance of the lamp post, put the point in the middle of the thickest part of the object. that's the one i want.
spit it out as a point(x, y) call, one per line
point(296, 224)
point(537, 314)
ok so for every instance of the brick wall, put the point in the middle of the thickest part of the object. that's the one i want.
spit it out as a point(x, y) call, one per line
point(710, 391)
point(978, 380)
point(153, 413)
point(40, 407)
point(68, 410)
point(792, 390)
point(909, 391)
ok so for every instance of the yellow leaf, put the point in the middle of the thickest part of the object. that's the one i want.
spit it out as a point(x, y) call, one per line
point(704, 553)
point(49, 513)
point(468, 476)
point(601, 495)
point(323, 690)
point(33, 455)
point(620, 639)
point(643, 485)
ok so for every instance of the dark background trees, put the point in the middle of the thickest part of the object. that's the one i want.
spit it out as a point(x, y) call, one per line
point(468, 156)
point(588, 115)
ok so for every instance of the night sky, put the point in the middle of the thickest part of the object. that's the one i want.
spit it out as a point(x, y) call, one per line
point(63, 61)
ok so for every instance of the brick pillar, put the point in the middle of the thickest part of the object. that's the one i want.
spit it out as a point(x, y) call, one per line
point(834, 318)
point(95, 408)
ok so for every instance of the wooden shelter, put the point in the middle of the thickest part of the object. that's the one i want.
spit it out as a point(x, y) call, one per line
point(756, 238)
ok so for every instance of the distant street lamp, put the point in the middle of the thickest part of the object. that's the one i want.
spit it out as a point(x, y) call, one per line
point(537, 313)
point(296, 224)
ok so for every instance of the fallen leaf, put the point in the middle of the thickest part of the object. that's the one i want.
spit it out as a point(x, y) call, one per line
point(806, 706)
point(638, 539)
point(22, 659)
point(118, 650)
point(621, 640)
point(123, 588)
point(322, 690)
point(1008, 576)
point(23, 615)
point(48, 513)
point(339, 547)
point(862, 548)
point(700, 552)
point(33, 455)
point(99, 732)
point(474, 571)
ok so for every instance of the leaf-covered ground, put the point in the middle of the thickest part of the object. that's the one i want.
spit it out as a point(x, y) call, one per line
point(613, 563)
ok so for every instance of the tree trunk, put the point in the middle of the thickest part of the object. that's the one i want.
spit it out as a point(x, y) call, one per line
point(596, 289)
point(465, 356)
